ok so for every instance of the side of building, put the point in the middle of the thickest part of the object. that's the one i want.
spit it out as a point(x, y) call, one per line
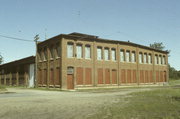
point(79, 60)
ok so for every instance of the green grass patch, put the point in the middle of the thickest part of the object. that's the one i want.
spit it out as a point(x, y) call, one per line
point(156, 104)
point(2, 88)
point(174, 82)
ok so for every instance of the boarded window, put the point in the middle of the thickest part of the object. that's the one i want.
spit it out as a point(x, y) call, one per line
point(99, 53)
point(51, 77)
point(149, 59)
point(128, 76)
point(133, 57)
point(100, 76)
point(79, 76)
point(122, 55)
point(70, 50)
point(57, 79)
point(134, 77)
point(79, 51)
point(157, 76)
point(140, 58)
point(113, 52)
point(114, 76)
point(106, 54)
point(87, 52)
point(145, 58)
point(88, 79)
point(141, 76)
point(127, 56)
point(107, 76)
point(123, 76)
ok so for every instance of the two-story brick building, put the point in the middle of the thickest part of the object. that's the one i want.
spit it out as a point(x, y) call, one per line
point(70, 61)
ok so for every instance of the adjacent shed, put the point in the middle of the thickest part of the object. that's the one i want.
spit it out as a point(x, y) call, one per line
point(18, 73)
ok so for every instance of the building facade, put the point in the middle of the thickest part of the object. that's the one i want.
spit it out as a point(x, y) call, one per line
point(18, 73)
point(76, 60)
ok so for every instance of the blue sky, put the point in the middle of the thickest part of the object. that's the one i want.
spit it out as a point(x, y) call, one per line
point(139, 21)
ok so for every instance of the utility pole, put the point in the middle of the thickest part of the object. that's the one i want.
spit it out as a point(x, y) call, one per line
point(36, 38)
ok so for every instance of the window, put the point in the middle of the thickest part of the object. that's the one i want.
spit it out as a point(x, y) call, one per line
point(106, 54)
point(145, 58)
point(133, 57)
point(58, 50)
point(99, 53)
point(140, 58)
point(45, 54)
point(149, 59)
point(113, 53)
point(40, 55)
point(79, 51)
point(52, 52)
point(160, 59)
point(87, 52)
point(164, 60)
point(122, 55)
point(70, 50)
point(156, 59)
point(127, 56)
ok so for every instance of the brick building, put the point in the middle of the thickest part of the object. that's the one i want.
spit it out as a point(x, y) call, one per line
point(18, 73)
point(75, 60)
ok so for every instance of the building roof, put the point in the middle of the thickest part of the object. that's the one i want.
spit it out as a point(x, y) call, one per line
point(27, 60)
point(82, 36)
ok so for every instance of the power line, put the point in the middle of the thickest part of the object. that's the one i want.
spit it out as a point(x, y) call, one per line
point(20, 39)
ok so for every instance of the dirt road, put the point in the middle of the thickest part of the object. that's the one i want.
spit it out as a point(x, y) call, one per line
point(38, 104)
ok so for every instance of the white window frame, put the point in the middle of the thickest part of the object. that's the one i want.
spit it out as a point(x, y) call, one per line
point(79, 53)
point(140, 58)
point(122, 57)
point(70, 50)
point(149, 59)
point(145, 58)
point(99, 53)
point(113, 54)
point(128, 56)
point(133, 57)
point(87, 52)
point(106, 54)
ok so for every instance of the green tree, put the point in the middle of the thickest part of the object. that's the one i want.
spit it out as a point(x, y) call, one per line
point(158, 46)
point(173, 73)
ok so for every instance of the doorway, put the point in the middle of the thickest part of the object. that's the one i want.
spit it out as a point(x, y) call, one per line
point(70, 78)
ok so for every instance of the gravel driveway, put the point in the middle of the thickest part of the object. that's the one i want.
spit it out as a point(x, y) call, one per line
point(39, 104)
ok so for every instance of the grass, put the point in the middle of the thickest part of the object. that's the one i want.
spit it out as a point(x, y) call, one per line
point(160, 103)
point(2, 88)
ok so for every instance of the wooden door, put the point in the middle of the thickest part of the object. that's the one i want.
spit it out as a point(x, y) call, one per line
point(165, 78)
point(70, 81)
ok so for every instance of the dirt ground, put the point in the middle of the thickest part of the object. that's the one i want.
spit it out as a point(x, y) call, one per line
point(38, 104)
